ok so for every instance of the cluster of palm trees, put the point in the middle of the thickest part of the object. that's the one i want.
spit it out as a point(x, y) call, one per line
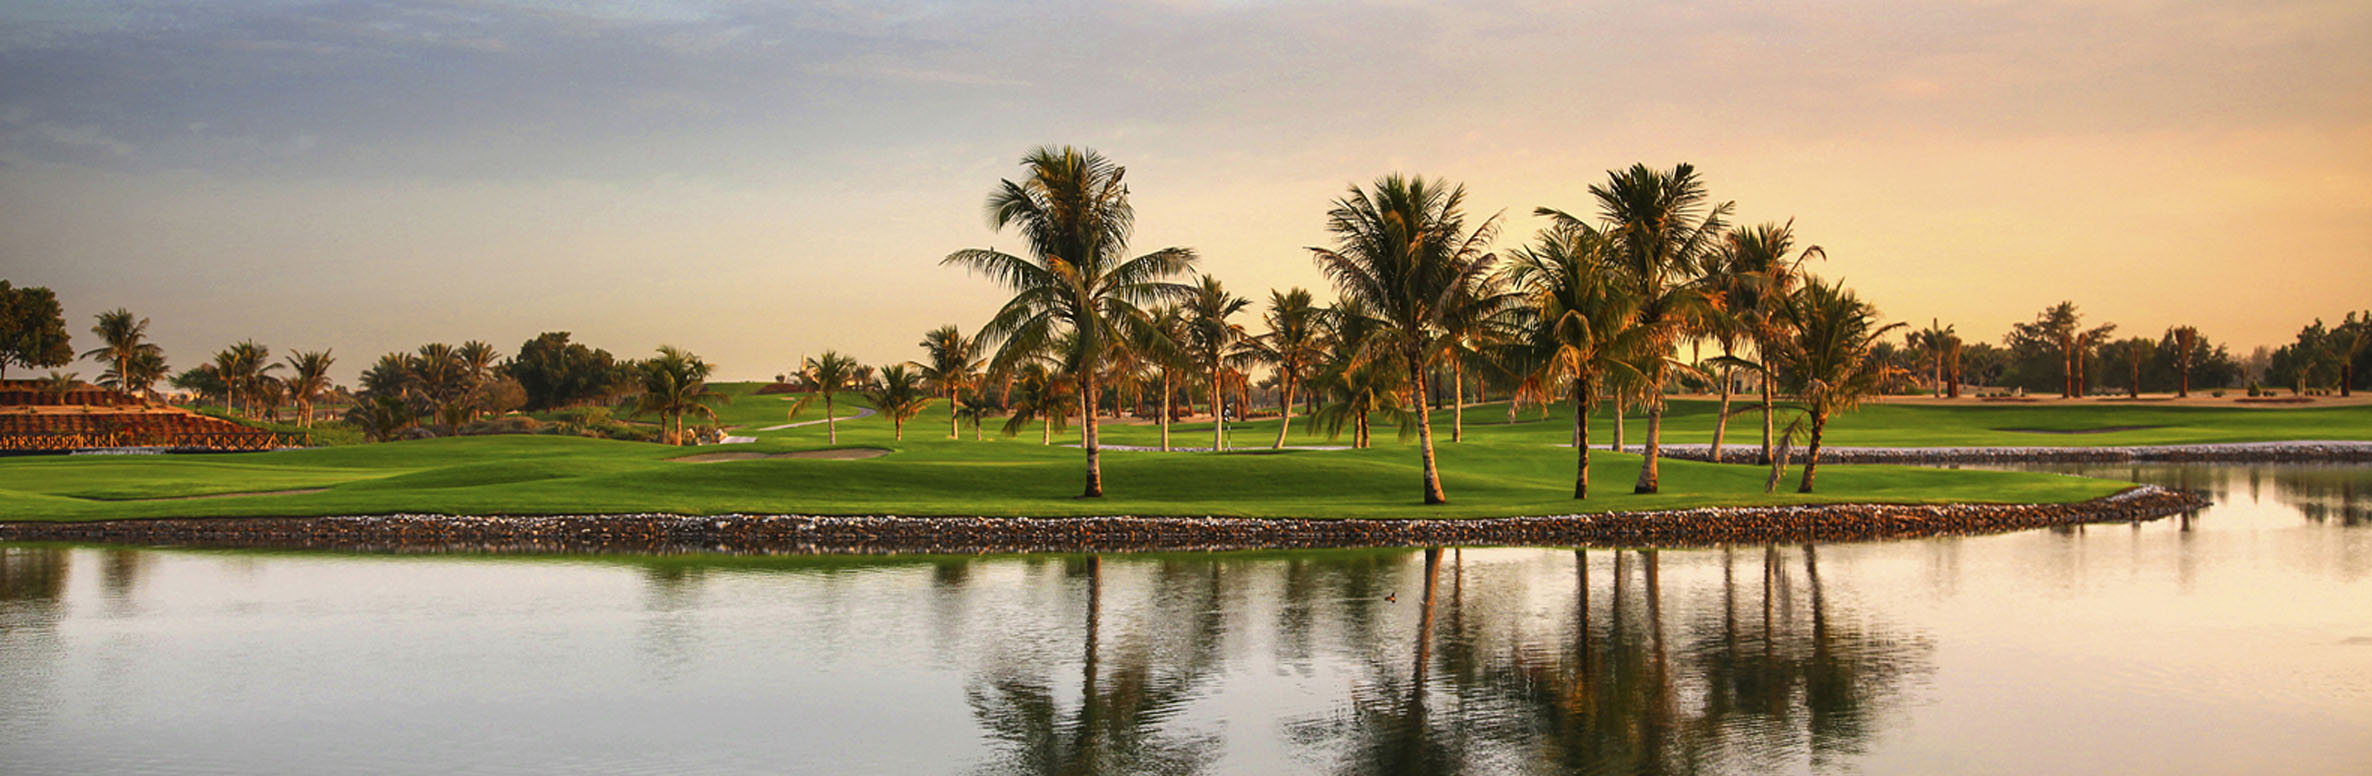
point(440, 382)
point(675, 384)
point(244, 377)
point(1594, 309)
point(897, 391)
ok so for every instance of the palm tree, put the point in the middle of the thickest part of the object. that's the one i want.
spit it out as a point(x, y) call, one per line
point(243, 368)
point(308, 378)
point(1072, 211)
point(2085, 343)
point(674, 384)
point(1825, 363)
point(1666, 230)
point(1952, 345)
point(1357, 391)
point(2186, 341)
point(952, 368)
point(1754, 279)
point(147, 368)
point(900, 394)
point(1150, 351)
point(975, 408)
point(380, 415)
point(2058, 325)
point(125, 338)
point(1932, 342)
point(1037, 393)
point(270, 392)
point(391, 375)
point(58, 384)
point(2137, 352)
point(1402, 253)
point(443, 379)
point(1213, 342)
point(1583, 321)
point(1474, 319)
point(827, 375)
point(1295, 344)
point(477, 365)
point(2348, 341)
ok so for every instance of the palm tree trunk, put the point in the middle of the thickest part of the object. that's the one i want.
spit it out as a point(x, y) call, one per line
point(1618, 422)
point(1812, 453)
point(2067, 387)
point(1218, 417)
point(955, 428)
point(831, 430)
point(1457, 398)
point(1432, 477)
point(1936, 356)
point(1655, 446)
point(1764, 383)
point(1165, 410)
point(2080, 387)
point(1581, 438)
point(1284, 412)
point(1721, 419)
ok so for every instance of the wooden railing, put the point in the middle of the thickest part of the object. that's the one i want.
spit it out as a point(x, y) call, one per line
point(219, 441)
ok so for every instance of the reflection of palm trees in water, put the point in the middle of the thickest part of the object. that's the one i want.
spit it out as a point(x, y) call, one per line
point(1118, 723)
point(2327, 494)
point(1639, 690)
point(1390, 728)
point(32, 578)
point(119, 572)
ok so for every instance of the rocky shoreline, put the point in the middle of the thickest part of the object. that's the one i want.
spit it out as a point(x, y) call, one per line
point(2229, 452)
point(803, 534)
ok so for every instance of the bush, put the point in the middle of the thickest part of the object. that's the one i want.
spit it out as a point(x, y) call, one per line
point(2218, 393)
point(509, 424)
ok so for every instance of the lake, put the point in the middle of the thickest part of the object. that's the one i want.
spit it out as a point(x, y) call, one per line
point(2238, 639)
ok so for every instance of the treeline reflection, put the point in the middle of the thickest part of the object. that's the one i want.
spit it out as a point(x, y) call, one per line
point(1434, 669)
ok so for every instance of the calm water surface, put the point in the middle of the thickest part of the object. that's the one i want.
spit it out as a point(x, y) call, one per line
point(2237, 640)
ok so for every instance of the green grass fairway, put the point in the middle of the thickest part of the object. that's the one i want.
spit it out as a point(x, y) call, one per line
point(1501, 469)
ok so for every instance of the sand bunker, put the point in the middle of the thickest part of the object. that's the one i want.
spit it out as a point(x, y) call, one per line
point(841, 454)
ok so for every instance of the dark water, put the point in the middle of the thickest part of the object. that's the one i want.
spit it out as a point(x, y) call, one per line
point(2238, 640)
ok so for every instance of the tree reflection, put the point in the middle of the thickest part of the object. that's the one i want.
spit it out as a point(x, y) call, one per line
point(1388, 728)
point(32, 589)
point(32, 577)
point(1636, 689)
point(2327, 494)
point(1126, 695)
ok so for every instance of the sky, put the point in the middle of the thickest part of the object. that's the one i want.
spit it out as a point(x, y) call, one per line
point(758, 182)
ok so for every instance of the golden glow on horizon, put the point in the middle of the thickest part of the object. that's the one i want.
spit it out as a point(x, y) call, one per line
point(1975, 177)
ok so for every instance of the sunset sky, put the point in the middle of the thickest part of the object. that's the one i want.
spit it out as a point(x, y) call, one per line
point(754, 182)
